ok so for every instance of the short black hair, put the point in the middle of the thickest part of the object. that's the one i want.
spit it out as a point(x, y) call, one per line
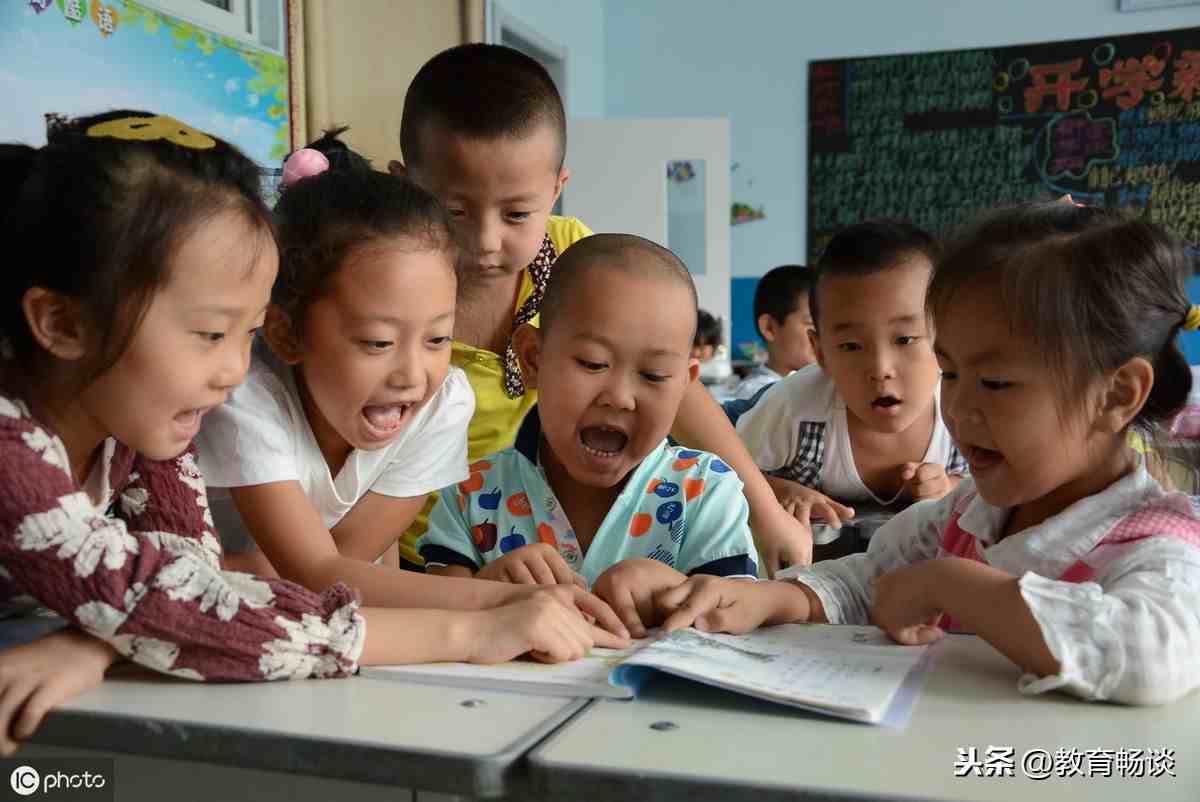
point(871, 246)
point(326, 217)
point(780, 292)
point(629, 252)
point(483, 92)
point(708, 329)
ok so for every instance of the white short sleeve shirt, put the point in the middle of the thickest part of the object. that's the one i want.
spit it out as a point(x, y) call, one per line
point(262, 435)
point(798, 430)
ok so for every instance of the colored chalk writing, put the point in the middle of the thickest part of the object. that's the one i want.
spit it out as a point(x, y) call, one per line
point(937, 137)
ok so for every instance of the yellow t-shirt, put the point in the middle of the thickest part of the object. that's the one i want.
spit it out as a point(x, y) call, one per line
point(497, 416)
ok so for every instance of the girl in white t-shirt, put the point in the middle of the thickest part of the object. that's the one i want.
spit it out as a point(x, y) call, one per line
point(350, 413)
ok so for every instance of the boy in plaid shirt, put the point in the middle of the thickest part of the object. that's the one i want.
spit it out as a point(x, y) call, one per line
point(863, 424)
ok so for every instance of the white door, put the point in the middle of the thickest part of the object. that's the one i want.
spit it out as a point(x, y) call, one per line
point(620, 183)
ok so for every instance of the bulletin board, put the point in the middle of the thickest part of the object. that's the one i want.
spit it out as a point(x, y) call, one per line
point(77, 57)
point(936, 137)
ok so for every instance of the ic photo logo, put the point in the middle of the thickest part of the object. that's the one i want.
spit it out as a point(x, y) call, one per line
point(25, 780)
point(51, 781)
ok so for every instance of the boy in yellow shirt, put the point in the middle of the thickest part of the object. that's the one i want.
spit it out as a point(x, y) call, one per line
point(484, 130)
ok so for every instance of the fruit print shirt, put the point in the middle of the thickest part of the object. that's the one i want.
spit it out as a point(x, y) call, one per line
point(683, 508)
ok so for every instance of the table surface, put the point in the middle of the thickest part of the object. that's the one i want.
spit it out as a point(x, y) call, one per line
point(725, 746)
point(375, 731)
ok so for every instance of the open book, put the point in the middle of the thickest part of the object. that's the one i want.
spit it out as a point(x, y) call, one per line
point(846, 671)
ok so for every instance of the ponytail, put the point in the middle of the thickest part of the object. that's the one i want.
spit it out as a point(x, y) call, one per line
point(1172, 384)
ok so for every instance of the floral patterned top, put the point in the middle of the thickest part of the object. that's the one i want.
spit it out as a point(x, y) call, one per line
point(141, 569)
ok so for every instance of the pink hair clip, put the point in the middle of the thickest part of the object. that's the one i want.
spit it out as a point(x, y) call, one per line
point(304, 163)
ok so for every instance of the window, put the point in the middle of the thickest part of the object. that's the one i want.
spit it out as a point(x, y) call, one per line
point(259, 22)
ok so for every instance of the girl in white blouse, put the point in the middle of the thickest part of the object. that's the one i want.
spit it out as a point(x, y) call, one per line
point(1056, 328)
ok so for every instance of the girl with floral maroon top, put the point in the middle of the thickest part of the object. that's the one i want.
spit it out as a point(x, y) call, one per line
point(140, 265)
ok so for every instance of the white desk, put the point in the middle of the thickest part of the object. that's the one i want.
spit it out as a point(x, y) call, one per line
point(730, 747)
point(358, 730)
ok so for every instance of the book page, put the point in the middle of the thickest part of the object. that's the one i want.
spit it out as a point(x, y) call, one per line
point(588, 676)
point(849, 670)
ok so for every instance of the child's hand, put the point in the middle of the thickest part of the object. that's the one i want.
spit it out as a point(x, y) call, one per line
point(37, 676)
point(540, 625)
point(925, 480)
point(804, 503)
point(630, 585)
point(534, 564)
point(717, 604)
point(608, 630)
point(905, 604)
point(781, 539)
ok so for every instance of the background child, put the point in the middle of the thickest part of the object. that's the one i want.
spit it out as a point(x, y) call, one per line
point(1056, 333)
point(484, 130)
point(117, 340)
point(784, 323)
point(591, 485)
point(864, 424)
point(708, 336)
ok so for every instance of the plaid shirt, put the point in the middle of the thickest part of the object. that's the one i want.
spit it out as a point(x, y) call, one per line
point(805, 467)
point(795, 428)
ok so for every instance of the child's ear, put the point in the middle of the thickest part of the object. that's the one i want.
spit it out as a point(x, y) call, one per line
point(815, 342)
point(1126, 394)
point(693, 369)
point(55, 323)
point(564, 175)
point(767, 327)
point(282, 336)
point(397, 168)
point(527, 343)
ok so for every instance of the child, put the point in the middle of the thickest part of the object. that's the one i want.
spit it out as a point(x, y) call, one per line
point(484, 130)
point(353, 415)
point(591, 485)
point(783, 322)
point(864, 424)
point(708, 336)
point(116, 341)
point(326, 453)
point(1056, 331)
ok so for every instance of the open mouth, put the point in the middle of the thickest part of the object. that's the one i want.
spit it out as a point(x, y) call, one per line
point(980, 459)
point(387, 419)
point(189, 419)
point(603, 442)
point(885, 402)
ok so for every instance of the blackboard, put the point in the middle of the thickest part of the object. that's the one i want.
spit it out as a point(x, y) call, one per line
point(936, 137)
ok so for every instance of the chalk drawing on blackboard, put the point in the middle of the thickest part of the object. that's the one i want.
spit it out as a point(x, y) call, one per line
point(936, 137)
point(1102, 55)
point(1074, 143)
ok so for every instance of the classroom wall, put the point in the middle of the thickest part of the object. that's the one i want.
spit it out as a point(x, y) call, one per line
point(748, 61)
point(579, 27)
point(360, 58)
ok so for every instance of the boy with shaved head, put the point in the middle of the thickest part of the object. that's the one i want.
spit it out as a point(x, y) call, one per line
point(591, 492)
